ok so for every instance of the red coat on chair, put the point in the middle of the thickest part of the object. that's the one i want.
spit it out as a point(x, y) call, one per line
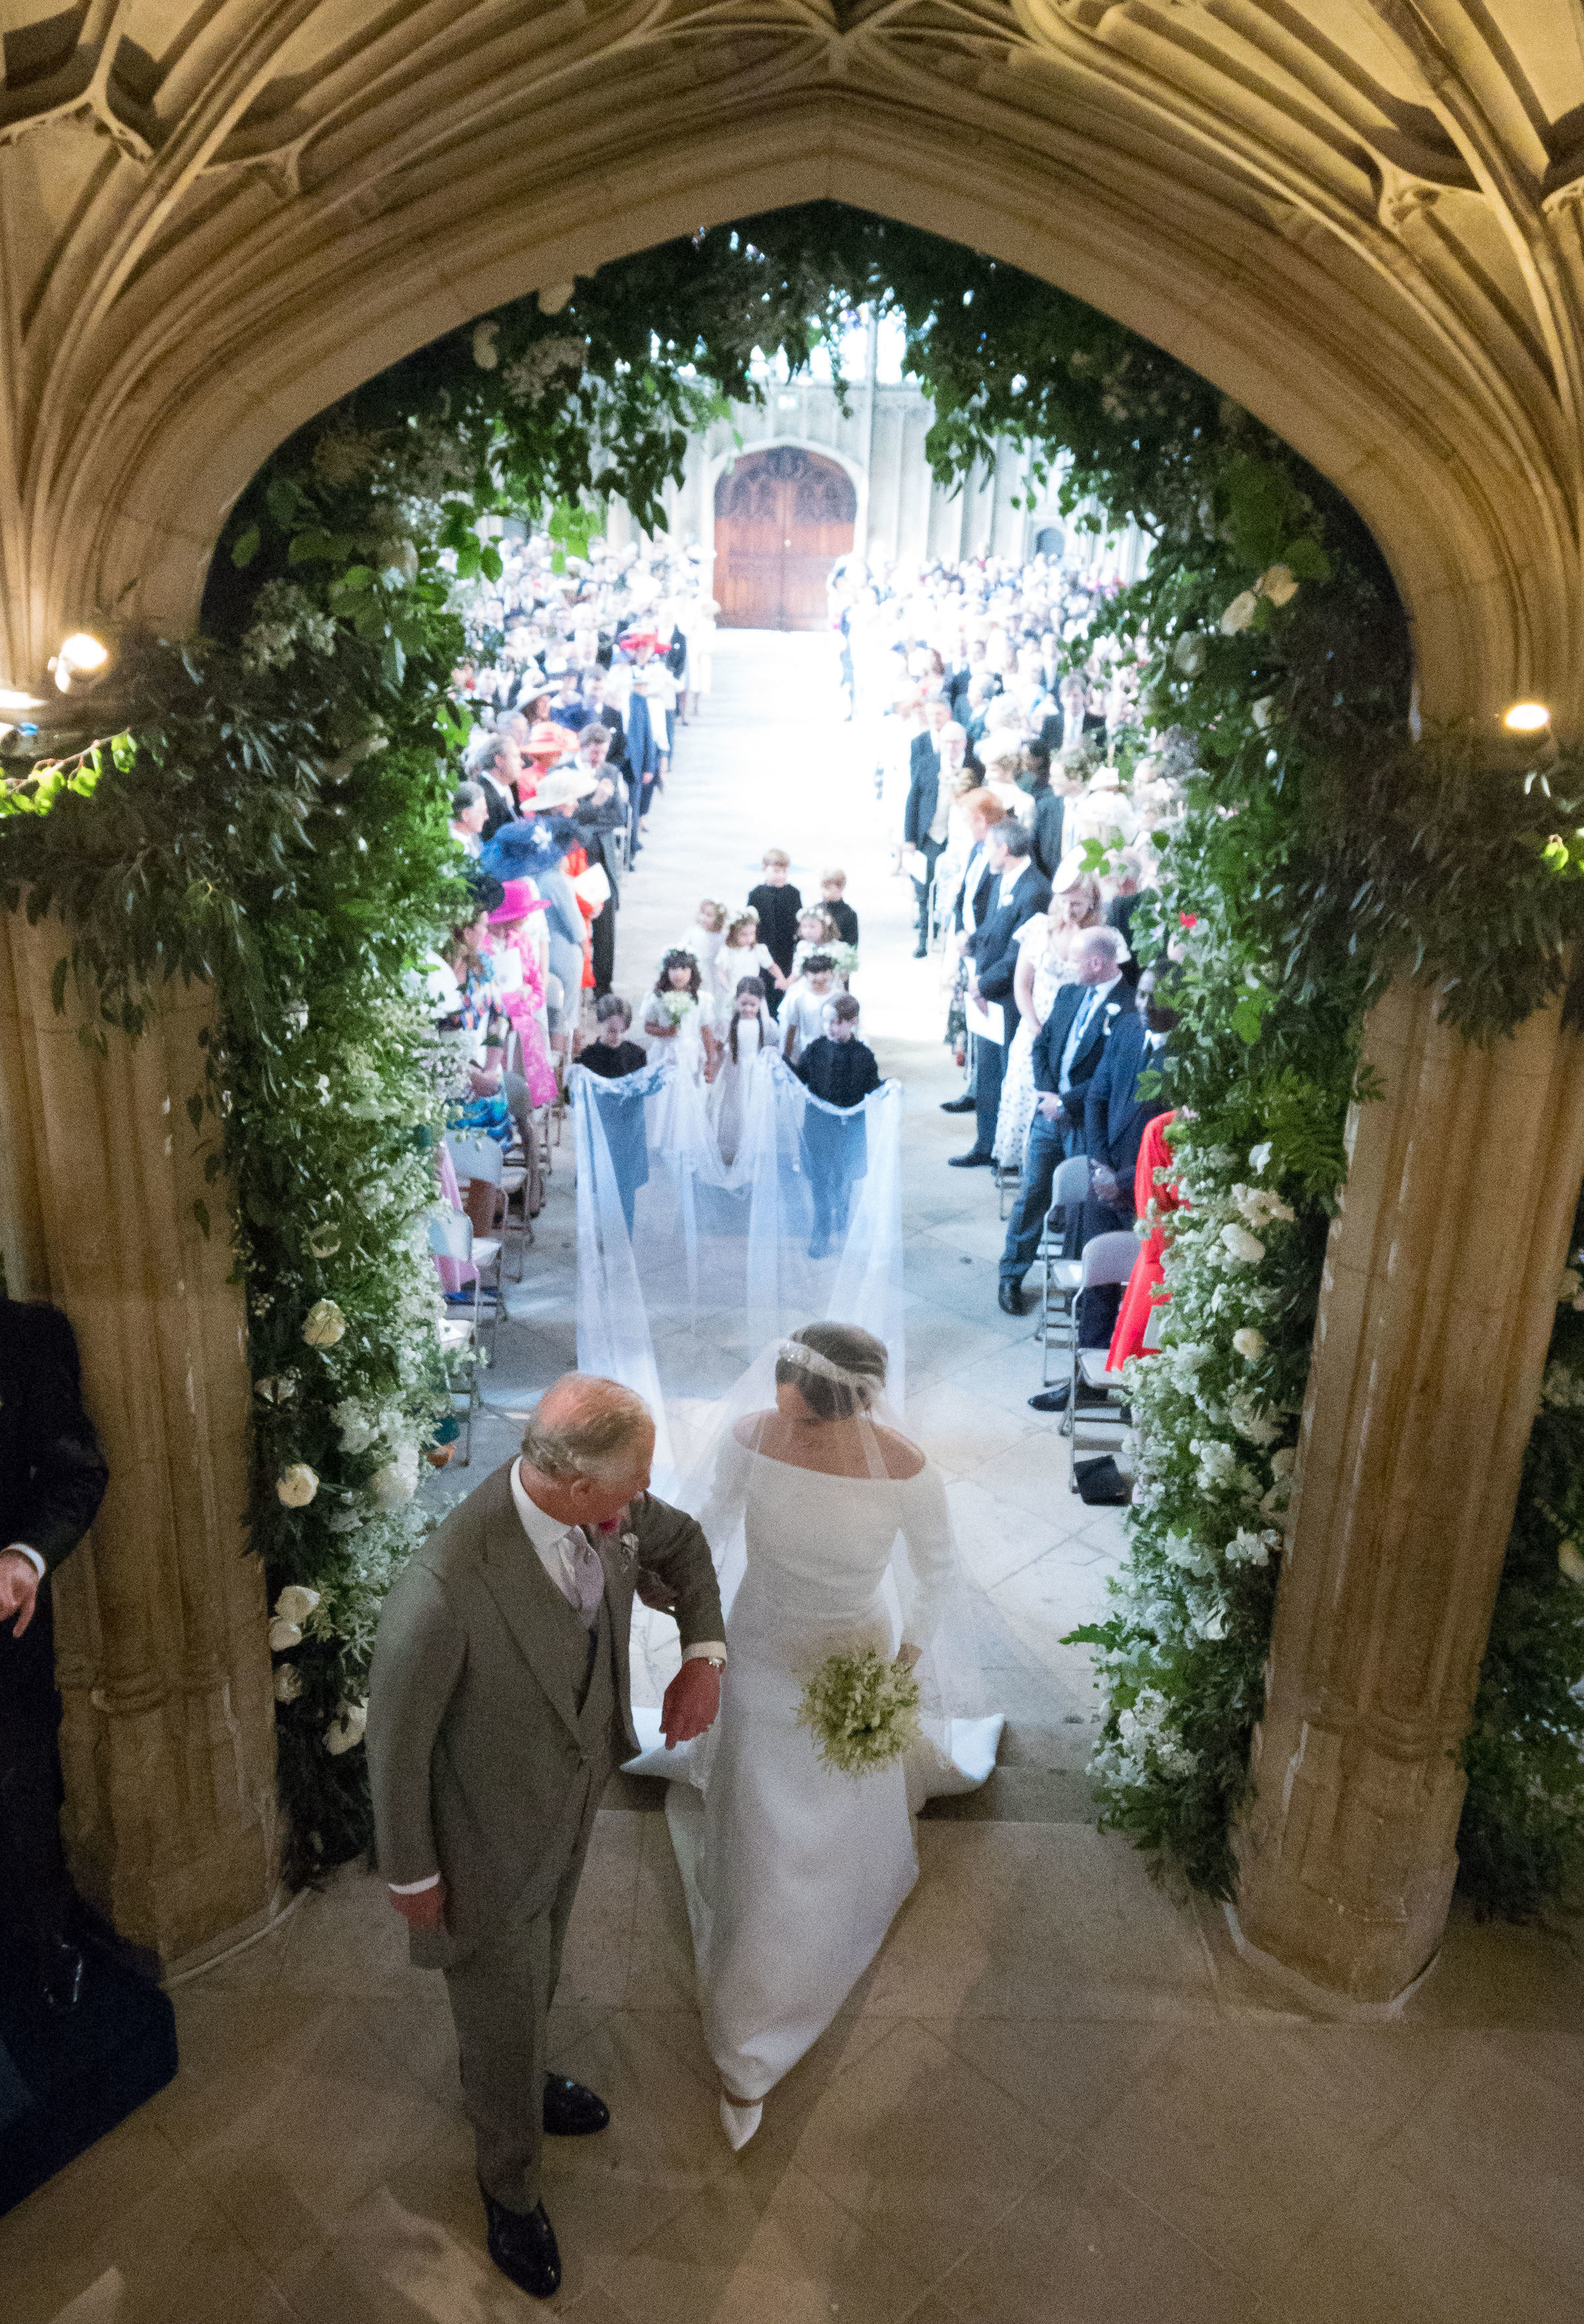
point(1148, 1272)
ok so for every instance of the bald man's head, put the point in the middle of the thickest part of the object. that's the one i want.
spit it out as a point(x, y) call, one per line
point(586, 1426)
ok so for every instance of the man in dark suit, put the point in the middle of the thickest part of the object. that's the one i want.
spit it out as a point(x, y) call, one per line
point(500, 1702)
point(1067, 1052)
point(496, 771)
point(52, 1479)
point(1020, 892)
point(926, 750)
point(929, 802)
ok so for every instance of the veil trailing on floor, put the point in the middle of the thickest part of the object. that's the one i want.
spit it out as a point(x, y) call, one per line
point(688, 1266)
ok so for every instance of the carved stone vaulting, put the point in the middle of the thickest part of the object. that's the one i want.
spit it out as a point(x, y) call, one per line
point(1362, 218)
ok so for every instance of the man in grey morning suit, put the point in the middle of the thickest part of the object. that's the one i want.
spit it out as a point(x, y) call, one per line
point(499, 1703)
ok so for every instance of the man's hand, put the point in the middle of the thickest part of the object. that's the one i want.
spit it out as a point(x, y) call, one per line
point(1105, 1186)
point(1052, 1108)
point(692, 1701)
point(424, 1911)
point(19, 1588)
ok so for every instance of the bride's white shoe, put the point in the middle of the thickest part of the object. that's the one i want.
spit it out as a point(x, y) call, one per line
point(740, 2122)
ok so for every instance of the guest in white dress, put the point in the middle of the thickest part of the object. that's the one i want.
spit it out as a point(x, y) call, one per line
point(802, 1013)
point(801, 1870)
point(679, 1019)
point(744, 1040)
point(743, 954)
point(705, 940)
point(1045, 965)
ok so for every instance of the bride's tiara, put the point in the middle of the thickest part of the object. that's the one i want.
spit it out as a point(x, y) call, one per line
point(796, 1351)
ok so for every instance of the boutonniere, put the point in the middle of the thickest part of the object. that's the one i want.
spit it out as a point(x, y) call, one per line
point(628, 1550)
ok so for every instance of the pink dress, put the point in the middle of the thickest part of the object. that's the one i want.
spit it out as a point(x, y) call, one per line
point(522, 1007)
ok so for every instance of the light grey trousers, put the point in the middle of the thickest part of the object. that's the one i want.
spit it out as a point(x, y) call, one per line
point(501, 1993)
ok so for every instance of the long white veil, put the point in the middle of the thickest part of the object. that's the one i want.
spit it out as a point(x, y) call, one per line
point(688, 1265)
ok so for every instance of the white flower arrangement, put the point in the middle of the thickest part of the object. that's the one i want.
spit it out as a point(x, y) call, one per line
point(678, 1006)
point(862, 1710)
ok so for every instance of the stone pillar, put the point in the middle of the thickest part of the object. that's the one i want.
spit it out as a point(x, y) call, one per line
point(1437, 1306)
point(168, 1741)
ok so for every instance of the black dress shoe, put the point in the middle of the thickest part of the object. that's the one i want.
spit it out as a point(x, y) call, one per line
point(974, 1161)
point(960, 1104)
point(60, 1974)
point(571, 2111)
point(1012, 1302)
point(522, 2245)
point(921, 951)
point(1051, 1399)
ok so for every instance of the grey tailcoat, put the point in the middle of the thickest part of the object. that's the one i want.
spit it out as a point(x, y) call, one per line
point(475, 1748)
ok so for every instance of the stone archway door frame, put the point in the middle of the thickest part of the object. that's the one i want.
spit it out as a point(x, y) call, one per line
point(237, 262)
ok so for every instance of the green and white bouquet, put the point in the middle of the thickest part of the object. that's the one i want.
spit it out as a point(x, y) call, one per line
point(678, 1006)
point(862, 1710)
point(845, 956)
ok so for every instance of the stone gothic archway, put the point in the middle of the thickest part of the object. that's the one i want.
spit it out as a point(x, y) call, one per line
point(1365, 229)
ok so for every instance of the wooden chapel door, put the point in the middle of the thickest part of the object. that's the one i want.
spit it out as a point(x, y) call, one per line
point(782, 519)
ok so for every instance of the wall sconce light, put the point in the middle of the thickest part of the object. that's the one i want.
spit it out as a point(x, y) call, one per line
point(1526, 717)
point(82, 658)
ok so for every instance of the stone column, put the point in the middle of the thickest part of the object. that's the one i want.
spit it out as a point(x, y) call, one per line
point(1437, 1305)
point(168, 1742)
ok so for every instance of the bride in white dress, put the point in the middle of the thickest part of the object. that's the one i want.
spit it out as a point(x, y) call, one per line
point(793, 1873)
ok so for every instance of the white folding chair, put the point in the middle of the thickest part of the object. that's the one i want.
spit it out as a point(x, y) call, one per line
point(475, 1158)
point(1057, 1325)
point(1107, 1259)
point(451, 1236)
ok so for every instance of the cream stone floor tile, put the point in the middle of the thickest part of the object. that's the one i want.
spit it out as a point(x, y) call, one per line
point(751, 2248)
point(995, 1537)
point(168, 2255)
point(1038, 1920)
point(1248, 2135)
point(415, 2256)
point(921, 2149)
point(1032, 1474)
point(1044, 1600)
point(1073, 2073)
point(70, 2213)
point(1502, 2142)
point(1078, 2247)
point(1398, 2252)
point(1490, 1973)
point(961, 1431)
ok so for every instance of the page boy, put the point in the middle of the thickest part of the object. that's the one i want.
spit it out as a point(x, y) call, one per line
point(778, 904)
point(840, 1070)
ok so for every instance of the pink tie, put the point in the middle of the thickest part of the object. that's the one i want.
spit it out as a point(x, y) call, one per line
point(588, 1576)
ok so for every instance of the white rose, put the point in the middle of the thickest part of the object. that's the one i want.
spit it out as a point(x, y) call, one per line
point(1265, 713)
point(487, 356)
point(1242, 1245)
point(345, 1732)
point(1278, 583)
point(288, 1683)
point(323, 1325)
point(283, 1636)
point(1249, 1344)
point(1260, 1158)
point(1282, 1463)
point(297, 1485)
point(1569, 1283)
point(1188, 653)
point(296, 1602)
point(1239, 613)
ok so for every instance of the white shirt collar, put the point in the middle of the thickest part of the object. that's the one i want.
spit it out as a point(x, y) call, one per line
point(542, 1529)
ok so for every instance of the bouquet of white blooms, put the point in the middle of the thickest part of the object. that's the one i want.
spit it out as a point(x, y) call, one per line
point(678, 1006)
point(845, 955)
point(862, 1711)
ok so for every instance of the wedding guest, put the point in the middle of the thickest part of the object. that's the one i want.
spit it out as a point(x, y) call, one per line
point(679, 1019)
point(833, 887)
point(743, 954)
point(498, 1705)
point(809, 999)
point(778, 904)
point(469, 811)
point(840, 1070)
point(747, 1036)
point(1019, 892)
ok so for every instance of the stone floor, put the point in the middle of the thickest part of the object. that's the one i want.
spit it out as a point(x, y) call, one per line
point(1059, 2096)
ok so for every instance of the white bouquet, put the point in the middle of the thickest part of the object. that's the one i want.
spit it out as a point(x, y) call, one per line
point(678, 1006)
point(845, 956)
point(862, 1711)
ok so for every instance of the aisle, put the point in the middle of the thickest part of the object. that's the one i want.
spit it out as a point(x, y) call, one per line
point(771, 762)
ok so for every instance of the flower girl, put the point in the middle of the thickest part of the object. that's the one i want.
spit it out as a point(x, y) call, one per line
point(705, 940)
point(679, 1021)
point(746, 1036)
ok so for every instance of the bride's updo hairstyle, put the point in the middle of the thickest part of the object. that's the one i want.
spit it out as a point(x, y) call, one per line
point(842, 1372)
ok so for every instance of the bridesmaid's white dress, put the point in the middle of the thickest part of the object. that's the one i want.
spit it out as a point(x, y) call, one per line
point(793, 1873)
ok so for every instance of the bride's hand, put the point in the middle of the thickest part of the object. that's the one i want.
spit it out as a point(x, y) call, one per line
point(907, 1654)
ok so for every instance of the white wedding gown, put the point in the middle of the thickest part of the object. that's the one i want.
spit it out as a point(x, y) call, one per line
point(793, 1872)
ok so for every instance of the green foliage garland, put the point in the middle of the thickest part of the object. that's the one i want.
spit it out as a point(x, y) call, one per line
point(271, 816)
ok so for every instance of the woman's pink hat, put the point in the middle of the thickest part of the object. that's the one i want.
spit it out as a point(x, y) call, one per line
point(517, 902)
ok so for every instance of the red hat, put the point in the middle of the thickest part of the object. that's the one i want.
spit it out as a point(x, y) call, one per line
point(651, 638)
point(549, 740)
